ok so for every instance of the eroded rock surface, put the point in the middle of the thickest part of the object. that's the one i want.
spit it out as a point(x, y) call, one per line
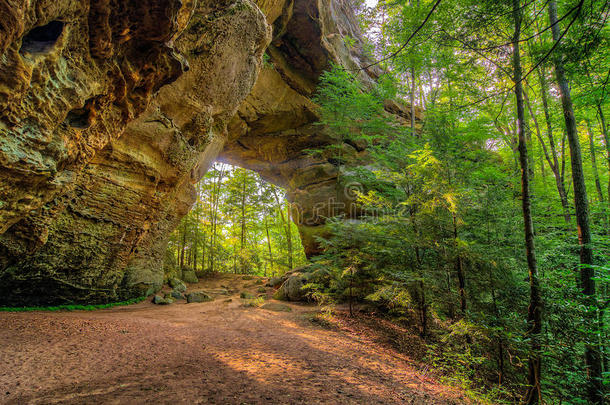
point(277, 123)
point(86, 206)
point(111, 111)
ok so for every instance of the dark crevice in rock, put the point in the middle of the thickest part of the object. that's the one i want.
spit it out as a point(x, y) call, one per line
point(336, 161)
point(42, 39)
point(355, 145)
point(79, 118)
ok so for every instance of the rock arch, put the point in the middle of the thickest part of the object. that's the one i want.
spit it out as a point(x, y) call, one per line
point(86, 209)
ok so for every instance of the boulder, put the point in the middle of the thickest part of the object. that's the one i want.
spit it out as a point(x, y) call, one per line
point(277, 281)
point(188, 276)
point(177, 285)
point(292, 288)
point(158, 300)
point(198, 296)
point(175, 295)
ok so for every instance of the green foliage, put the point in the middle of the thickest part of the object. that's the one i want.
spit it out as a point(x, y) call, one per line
point(443, 204)
point(238, 224)
point(437, 243)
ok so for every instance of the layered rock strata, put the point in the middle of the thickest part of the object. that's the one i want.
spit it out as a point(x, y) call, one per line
point(110, 112)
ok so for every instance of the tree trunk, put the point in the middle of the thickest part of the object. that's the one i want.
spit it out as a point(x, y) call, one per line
point(534, 315)
point(268, 241)
point(215, 203)
point(183, 245)
point(538, 135)
point(598, 184)
point(528, 139)
point(286, 227)
point(459, 267)
point(450, 306)
point(592, 354)
point(553, 160)
point(289, 235)
point(413, 100)
point(602, 121)
point(203, 253)
point(196, 236)
point(422, 303)
point(243, 225)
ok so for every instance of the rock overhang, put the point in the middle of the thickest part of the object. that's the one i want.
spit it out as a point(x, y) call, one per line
point(103, 136)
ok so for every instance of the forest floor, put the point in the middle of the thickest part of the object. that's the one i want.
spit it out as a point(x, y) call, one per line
point(218, 352)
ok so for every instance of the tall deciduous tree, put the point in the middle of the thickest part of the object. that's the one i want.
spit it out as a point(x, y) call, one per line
point(534, 314)
point(581, 204)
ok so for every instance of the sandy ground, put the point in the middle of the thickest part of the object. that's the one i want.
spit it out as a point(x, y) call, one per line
point(208, 353)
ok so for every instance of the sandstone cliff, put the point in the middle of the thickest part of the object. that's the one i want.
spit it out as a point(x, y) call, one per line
point(111, 111)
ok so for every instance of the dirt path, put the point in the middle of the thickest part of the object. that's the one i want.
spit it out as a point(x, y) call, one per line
point(209, 353)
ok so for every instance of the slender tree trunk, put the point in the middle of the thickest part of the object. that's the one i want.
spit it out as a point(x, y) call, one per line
point(602, 121)
point(598, 184)
point(553, 161)
point(530, 149)
point(423, 303)
point(183, 245)
point(243, 224)
point(234, 260)
point(413, 85)
point(289, 235)
point(215, 206)
point(459, 268)
point(268, 241)
point(422, 98)
point(195, 245)
point(450, 305)
point(534, 316)
point(592, 353)
point(424, 309)
point(538, 135)
point(196, 236)
point(212, 225)
point(203, 253)
point(286, 227)
point(351, 291)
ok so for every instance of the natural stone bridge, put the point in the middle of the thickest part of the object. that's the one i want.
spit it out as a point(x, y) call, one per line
point(111, 111)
